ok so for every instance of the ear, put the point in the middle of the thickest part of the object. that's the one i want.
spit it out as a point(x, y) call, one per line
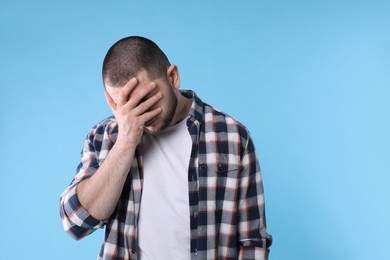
point(173, 76)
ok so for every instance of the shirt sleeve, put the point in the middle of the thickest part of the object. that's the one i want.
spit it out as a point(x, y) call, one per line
point(254, 241)
point(75, 218)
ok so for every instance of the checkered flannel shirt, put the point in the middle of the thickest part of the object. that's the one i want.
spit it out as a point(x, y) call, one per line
point(227, 216)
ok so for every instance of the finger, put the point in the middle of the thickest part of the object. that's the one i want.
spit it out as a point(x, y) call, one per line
point(139, 94)
point(109, 100)
point(126, 90)
point(147, 104)
point(150, 115)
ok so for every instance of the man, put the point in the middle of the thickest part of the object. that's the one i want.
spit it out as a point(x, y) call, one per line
point(169, 176)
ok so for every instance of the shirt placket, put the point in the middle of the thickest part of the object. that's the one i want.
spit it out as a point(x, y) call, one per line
point(194, 130)
point(137, 182)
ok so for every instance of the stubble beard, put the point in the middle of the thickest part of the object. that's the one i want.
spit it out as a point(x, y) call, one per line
point(166, 118)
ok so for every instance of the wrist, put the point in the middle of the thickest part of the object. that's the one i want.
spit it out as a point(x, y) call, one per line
point(125, 144)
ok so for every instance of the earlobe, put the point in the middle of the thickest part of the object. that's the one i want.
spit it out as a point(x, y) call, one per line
point(173, 76)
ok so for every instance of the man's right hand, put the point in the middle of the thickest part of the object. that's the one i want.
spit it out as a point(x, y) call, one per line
point(132, 106)
point(131, 109)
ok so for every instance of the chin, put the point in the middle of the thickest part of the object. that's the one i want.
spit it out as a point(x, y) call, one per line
point(153, 129)
point(156, 127)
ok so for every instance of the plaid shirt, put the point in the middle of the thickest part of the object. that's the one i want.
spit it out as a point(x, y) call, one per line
point(226, 198)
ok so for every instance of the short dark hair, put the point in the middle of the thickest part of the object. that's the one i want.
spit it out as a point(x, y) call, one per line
point(129, 56)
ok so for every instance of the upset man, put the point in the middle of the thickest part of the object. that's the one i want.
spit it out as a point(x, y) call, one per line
point(168, 176)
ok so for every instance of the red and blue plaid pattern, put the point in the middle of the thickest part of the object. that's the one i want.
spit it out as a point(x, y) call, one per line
point(225, 191)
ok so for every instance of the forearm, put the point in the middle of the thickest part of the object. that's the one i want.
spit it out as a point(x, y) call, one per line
point(100, 193)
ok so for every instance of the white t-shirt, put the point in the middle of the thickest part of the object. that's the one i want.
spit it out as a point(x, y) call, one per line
point(164, 219)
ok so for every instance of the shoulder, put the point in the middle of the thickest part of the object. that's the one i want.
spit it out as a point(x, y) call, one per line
point(225, 134)
point(221, 122)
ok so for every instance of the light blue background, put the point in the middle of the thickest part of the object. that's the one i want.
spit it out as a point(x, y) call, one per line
point(310, 79)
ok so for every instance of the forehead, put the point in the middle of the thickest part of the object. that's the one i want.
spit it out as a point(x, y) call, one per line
point(142, 80)
point(141, 76)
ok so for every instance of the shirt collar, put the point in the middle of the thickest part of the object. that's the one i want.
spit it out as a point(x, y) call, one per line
point(197, 108)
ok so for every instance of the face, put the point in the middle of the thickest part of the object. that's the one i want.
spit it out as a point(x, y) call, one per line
point(168, 102)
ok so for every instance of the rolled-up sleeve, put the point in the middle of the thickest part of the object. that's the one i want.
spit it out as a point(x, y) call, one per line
point(254, 241)
point(75, 218)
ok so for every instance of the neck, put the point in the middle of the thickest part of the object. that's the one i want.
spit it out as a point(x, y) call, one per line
point(182, 109)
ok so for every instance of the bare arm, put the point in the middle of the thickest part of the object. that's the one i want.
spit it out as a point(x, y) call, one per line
point(100, 193)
